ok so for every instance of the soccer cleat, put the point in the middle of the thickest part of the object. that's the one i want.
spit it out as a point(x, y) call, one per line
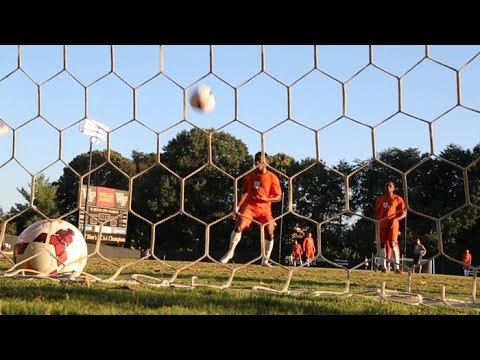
point(226, 258)
point(266, 263)
point(398, 271)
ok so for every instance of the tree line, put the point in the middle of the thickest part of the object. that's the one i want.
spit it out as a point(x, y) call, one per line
point(182, 193)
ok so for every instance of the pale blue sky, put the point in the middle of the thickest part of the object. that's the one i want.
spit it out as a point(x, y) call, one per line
point(144, 95)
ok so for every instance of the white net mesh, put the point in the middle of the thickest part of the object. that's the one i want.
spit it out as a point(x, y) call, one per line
point(330, 115)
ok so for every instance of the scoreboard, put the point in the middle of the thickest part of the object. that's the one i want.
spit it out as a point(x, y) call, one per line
point(107, 212)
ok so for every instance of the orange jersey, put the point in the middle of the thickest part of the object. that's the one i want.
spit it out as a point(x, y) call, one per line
point(297, 251)
point(467, 259)
point(255, 184)
point(309, 247)
point(389, 207)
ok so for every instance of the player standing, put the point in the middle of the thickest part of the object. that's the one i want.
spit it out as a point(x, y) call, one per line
point(390, 209)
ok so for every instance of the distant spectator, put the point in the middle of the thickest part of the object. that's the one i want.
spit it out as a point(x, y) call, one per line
point(309, 248)
point(467, 262)
point(418, 253)
point(297, 253)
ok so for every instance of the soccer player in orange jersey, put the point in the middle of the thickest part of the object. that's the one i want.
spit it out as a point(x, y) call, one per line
point(297, 253)
point(390, 209)
point(260, 188)
point(467, 262)
point(309, 248)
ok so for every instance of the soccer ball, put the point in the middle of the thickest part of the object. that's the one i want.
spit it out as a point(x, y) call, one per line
point(203, 99)
point(3, 128)
point(51, 247)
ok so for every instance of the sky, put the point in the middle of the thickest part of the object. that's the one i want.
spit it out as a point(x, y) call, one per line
point(297, 96)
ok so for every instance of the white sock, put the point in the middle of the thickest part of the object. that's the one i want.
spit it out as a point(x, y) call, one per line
point(396, 257)
point(268, 248)
point(383, 258)
point(234, 240)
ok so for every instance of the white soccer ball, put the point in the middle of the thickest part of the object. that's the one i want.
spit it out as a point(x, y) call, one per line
point(203, 99)
point(3, 128)
point(51, 247)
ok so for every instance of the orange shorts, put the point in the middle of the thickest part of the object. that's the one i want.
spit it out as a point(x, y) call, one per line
point(389, 235)
point(250, 213)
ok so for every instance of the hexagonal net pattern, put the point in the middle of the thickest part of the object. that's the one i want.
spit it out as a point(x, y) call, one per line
point(337, 122)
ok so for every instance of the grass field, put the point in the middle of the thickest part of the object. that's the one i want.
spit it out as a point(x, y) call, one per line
point(253, 290)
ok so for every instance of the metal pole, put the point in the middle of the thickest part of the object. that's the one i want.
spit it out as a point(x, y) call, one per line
point(281, 230)
point(86, 193)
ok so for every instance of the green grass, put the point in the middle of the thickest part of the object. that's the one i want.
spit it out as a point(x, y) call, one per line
point(307, 293)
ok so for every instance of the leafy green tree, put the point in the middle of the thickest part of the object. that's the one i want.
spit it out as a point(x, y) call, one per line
point(11, 228)
point(207, 193)
point(449, 194)
point(283, 163)
point(43, 200)
point(143, 161)
point(112, 174)
point(143, 193)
